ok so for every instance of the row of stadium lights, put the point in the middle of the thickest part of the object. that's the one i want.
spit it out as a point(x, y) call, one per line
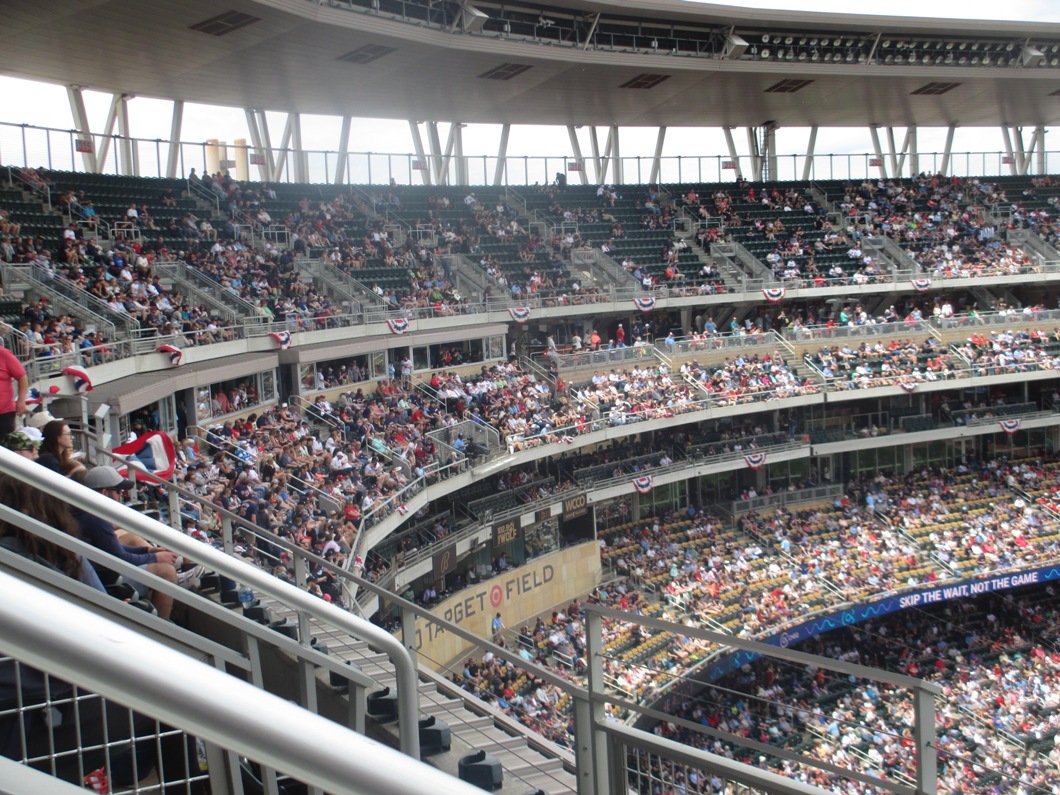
point(849, 50)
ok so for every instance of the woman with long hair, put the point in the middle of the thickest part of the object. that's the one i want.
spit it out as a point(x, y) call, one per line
point(57, 449)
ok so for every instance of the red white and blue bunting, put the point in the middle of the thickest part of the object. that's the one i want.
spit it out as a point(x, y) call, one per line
point(908, 386)
point(1010, 426)
point(174, 353)
point(774, 294)
point(645, 303)
point(281, 338)
point(153, 451)
point(755, 460)
point(921, 284)
point(398, 325)
point(520, 314)
point(643, 484)
point(35, 397)
point(567, 439)
point(82, 383)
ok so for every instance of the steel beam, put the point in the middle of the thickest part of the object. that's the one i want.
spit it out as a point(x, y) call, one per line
point(285, 142)
point(344, 145)
point(77, 110)
point(421, 154)
point(656, 161)
point(874, 133)
point(173, 161)
point(616, 155)
point(130, 158)
point(807, 166)
point(107, 138)
point(295, 120)
point(576, 147)
point(502, 155)
point(1007, 138)
point(731, 144)
point(947, 151)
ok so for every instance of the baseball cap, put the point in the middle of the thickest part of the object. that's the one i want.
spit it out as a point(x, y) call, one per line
point(19, 440)
point(104, 477)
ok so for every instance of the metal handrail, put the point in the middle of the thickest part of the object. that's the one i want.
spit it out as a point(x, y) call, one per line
point(68, 641)
point(64, 489)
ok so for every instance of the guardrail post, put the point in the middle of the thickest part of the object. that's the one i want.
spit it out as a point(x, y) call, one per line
point(227, 540)
point(590, 751)
point(926, 748)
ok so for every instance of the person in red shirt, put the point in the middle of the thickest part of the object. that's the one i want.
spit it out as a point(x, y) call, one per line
point(14, 388)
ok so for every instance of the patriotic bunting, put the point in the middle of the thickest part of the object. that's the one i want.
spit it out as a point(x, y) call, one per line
point(1010, 426)
point(567, 439)
point(908, 386)
point(755, 460)
point(175, 354)
point(153, 451)
point(921, 284)
point(520, 314)
point(398, 325)
point(774, 294)
point(35, 397)
point(403, 509)
point(282, 339)
point(645, 303)
point(82, 383)
point(643, 484)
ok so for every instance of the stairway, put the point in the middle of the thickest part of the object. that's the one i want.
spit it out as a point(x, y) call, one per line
point(475, 725)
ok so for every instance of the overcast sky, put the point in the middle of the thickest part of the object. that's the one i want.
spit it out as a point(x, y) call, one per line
point(46, 105)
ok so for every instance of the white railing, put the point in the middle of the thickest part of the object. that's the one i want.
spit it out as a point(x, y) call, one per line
point(53, 635)
point(26, 145)
point(262, 582)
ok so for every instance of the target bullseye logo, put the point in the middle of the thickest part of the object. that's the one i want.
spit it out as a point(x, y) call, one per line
point(496, 596)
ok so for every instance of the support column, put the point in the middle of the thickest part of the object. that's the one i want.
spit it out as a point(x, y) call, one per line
point(502, 155)
point(421, 154)
point(107, 137)
point(769, 151)
point(266, 141)
point(456, 133)
point(77, 110)
point(616, 155)
point(434, 142)
point(599, 165)
point(576, 147)
point(285, 142)
point(731, 144)
point(254, 130)
point(914, 155)
point(1009, 152)
point(295, 120)
point(130, 159)
point(756, 154)
point(1040, 166)
point(807, 166)
point(656, 161)
point(875, 134)
point(344, 144)
point(173, 161)
point(896, 170)
point(945, 168)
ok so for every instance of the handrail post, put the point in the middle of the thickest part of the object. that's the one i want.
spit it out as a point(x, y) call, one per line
point(926, 748)
point(590, 751)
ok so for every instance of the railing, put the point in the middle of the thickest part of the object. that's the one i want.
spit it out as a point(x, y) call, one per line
point(27, 145)
point(309, 607)
point(812, 494)
point(95, 306)
point(15, 178)
point(76, 645)
point(825, 333)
